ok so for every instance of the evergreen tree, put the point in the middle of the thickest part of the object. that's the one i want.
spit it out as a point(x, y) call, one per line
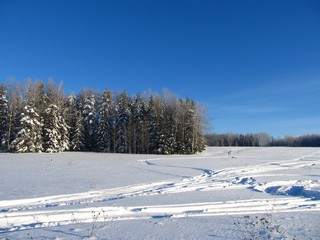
point(4, 118)
point(40, 98)
point(142, 135)
point(70, 115)
point(137, 125)
point(63, 128)
point(77, 142)
point(168, 133)
point(15, 107)
point(35, 118)
point(180, 135)
point(52, 137)
point(55, 129)
point(90, 122)
point(152, 141)
point(189, 140)
point(122, 122)
point(29, 138)
point(198, 129)
point(113, 126)
point(104, 128)
point(161, 130)
point(62, 117)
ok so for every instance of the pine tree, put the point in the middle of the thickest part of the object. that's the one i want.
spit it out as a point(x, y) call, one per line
point(15, 107)
point(161, 134)
point(52, 137)
point(168, 130)
point(137, 125)
point(199, 126)
point(4, 118)
point(40, 99)
point(104, 128)
point(77, 140)
point(113, 126)
point(153, 134)
point(170, 122)
point(122, 122)
point(29, 138)
point(90, 122)
point(63, 128)
point(180, 135)
point(37, 125)
point(190, 118)
point(34, 104)
point(142, 135)
point(70, 116)
point(55, 128)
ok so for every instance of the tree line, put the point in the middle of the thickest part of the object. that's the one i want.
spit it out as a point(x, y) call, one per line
point(261, 140)
point(309, 140)
point(38, 117)
point(235, 139)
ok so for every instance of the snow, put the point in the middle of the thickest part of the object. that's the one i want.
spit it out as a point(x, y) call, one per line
point(221, 193)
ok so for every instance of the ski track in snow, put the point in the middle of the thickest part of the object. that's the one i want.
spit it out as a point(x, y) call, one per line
point(297, 196)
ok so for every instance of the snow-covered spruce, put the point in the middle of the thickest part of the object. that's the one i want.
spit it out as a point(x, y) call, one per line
point(29, 137)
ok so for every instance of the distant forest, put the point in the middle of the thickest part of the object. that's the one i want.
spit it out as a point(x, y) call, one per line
point(38, 117)
point(261, 140)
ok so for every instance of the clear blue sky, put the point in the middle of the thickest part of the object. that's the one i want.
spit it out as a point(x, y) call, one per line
point(255, 65)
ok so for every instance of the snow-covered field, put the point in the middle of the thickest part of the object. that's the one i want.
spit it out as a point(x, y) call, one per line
point(223, 193)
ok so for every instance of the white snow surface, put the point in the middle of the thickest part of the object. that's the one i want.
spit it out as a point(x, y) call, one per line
point(221, 193)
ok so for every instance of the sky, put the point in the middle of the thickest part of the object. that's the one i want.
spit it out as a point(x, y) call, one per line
point(254, 65)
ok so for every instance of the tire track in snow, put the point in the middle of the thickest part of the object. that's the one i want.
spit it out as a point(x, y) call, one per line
point(235, 177)
point(147, 189)
point(255, 170)
point(82, 198)
point(15, 221)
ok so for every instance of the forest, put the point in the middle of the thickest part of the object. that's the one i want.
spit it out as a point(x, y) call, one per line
point(37, 116)
point(261, 140)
